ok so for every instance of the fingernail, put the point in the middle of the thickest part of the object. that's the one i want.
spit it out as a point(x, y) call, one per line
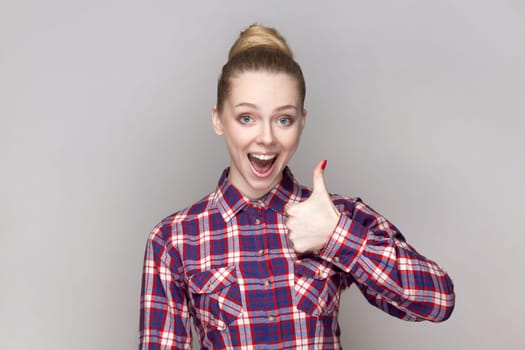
point(323, 166)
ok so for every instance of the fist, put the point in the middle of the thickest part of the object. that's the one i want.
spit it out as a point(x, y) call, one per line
point(310, 223)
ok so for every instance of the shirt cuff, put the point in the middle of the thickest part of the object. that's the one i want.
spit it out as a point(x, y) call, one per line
point(346, 244)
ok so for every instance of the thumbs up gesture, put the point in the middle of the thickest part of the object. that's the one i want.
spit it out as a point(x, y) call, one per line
point(310, 223)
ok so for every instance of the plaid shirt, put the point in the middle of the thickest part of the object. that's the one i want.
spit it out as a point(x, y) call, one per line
point(227, 263)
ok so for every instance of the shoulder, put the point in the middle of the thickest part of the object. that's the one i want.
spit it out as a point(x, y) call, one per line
point(354, 207)
point(342, 202)
point(359, 211)
point(172, 226)
point(344, 199)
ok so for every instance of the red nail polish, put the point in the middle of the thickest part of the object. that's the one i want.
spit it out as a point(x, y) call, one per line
point(323, 166)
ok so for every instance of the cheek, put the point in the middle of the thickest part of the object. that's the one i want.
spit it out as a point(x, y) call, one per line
point(291, 139)
point(236, 138)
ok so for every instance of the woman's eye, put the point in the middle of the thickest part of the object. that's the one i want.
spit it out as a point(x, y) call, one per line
point(284, 121)
point(245, 119)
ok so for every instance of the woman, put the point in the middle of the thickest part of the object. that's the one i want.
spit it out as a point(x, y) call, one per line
point(261, 261)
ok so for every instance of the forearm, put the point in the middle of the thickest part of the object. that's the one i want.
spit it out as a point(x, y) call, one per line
point(390, 273)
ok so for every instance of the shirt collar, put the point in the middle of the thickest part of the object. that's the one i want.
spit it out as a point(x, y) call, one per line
point(229, 200)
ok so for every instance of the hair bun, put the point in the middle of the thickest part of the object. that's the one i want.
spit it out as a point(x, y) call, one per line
point(257, 35)
point(259, 49)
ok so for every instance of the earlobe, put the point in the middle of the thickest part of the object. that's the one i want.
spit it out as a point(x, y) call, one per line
point(216, 120)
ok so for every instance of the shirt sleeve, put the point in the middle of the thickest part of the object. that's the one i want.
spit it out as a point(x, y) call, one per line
point(390, 273)
point(164, 314)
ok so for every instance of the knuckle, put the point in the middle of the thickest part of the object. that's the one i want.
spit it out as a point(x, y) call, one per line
point(291, 208)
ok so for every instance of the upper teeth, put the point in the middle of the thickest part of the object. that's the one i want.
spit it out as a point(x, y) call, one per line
point(263, 156)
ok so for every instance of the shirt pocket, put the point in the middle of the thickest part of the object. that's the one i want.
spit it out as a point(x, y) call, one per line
point(216, 296)
point(316, 287)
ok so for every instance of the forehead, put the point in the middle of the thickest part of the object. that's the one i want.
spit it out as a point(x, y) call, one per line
point(264, 89)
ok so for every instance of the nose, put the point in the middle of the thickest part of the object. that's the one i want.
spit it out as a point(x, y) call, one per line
point(266, 134)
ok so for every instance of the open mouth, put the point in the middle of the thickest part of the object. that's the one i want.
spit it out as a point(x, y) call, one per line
point(262, 164)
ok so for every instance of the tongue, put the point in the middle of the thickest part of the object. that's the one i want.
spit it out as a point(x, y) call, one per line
point(261, 166)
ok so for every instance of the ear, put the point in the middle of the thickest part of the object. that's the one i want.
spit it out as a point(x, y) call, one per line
point(217, 121)
point(303, 120)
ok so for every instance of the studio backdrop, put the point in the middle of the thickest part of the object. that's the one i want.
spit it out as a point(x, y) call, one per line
point(105, 129)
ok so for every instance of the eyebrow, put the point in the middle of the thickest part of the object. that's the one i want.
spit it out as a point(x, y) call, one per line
point(278, 109)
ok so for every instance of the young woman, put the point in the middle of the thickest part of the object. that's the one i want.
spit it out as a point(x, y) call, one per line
point(261, 261)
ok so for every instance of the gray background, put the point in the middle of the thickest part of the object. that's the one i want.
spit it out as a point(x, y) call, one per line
point(105, 129)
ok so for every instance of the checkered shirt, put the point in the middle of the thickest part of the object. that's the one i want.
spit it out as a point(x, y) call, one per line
point(226, 262)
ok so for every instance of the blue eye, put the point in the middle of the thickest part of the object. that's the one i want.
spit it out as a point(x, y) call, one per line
point(245, 119)
point(284, 121)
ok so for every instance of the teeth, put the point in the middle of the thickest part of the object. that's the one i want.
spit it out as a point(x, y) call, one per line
point(263, 156)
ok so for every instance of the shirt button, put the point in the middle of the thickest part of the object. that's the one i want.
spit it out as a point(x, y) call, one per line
point(271, 318)
point(267, 283)
point(257, 221)
point(336, 259)
point(221, 325)
point(260, 252)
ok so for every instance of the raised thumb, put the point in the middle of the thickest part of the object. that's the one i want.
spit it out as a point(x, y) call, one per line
point(319, 186)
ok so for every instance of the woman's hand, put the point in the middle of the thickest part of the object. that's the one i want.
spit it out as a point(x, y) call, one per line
point(310, 223)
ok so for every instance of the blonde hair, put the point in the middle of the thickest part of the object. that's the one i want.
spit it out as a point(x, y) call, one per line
point(259, 48)
point(256, 35)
